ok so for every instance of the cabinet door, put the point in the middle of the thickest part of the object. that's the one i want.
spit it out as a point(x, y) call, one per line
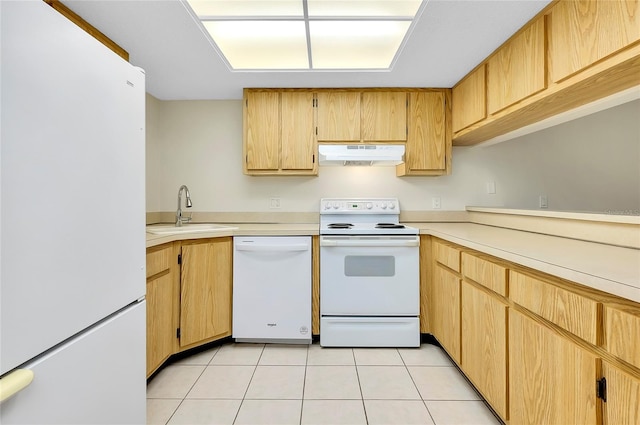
point(551, 379)
point(623, 394)
point(338, 116)
point(161, 331)
point(445, 310)
point(484, 345)
point(517, 70)
point(384, 116)
point(205, 296)
point(469, 100)
point(426, 138)
point(262, 131)
point(584, 31)
point(298, 141)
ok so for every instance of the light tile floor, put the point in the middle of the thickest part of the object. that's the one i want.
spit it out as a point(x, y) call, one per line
point(289, 384)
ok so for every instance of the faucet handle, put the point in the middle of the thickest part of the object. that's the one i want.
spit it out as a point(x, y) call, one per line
point(187, 219)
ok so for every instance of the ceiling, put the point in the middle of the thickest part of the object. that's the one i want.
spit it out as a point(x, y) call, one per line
point(164, 38)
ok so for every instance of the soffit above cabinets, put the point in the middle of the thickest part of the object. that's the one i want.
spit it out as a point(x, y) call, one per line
point(167, 40)
point(307, 34)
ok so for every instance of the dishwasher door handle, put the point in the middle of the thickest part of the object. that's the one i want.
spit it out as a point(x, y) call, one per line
point(272, 248)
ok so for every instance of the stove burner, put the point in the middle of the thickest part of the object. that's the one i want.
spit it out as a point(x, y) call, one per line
point(340, 226)
point(389, 226)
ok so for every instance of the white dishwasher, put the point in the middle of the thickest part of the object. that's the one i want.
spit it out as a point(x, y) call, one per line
point(272, 289)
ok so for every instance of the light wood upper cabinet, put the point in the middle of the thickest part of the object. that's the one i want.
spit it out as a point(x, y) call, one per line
point(623, 394)
point(469, 100)
point(583, 32)
point(338, 116)
point(428, 142)
point(484, 345)
point(298, 143)
point(205, 297)
point(517, 70)
point(279, 133)
point(384, 116)
point(551, 379)
point(572, 53)
point(262, 131)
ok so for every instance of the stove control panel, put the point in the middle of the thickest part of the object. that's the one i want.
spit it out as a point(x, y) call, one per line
point(359, 206)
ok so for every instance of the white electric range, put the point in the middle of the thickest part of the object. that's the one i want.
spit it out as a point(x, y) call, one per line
point(369, 275)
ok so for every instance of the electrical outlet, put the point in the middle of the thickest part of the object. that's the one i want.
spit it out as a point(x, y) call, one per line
point(543, 201)
point(435, 203)
point(274, 203)
point(491, 187)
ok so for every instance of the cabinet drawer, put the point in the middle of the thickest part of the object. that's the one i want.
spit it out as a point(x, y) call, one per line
point(622, 332)
point(158, 261)
point(570, 311)
point(485, 273)
point(446, 255)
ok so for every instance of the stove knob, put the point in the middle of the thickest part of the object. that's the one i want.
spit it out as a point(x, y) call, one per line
point(369, 205)
point(392, 205)
point(336, 205)
point(327, 205)
point(384, 205)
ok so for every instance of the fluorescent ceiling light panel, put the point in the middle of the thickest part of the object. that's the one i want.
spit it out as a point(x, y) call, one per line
point(261, 44)
point(351, 8)
point(355, 44)
point(254, 8)
point(307, 34)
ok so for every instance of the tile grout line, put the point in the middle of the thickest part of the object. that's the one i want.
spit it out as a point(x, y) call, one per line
point(416, 387)
point(190, 388)
point(249, 384)
point(304, 383)
point(364, 408)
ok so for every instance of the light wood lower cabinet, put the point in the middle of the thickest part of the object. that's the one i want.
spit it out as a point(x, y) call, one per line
point(623, 397)
point(541, 350)
point(188, 304)
point(445, 310)
point(205, 292)
point(551, 379)
point(484, 345)
point(160, 329)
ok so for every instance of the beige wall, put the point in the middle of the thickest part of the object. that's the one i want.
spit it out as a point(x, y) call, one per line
point(588, 164)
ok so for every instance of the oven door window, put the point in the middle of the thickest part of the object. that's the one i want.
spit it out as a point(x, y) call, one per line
point(369, 265)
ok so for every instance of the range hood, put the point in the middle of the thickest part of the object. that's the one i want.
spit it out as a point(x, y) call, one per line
point(361, 154)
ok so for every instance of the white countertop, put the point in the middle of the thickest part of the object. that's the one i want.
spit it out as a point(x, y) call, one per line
point(608, 268)
point(611, 269)
point(241, 229)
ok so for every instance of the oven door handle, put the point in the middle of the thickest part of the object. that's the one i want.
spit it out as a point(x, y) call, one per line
point(370, 242)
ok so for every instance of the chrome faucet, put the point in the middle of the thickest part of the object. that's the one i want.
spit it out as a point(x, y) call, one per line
point(179, 218)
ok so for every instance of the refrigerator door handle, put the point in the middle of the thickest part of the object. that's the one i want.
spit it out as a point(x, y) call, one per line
point(15, 382)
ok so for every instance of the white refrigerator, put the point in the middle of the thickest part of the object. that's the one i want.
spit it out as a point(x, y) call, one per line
point(72, 214)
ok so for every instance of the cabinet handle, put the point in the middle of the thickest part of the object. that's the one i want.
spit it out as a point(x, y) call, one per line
point(15, 382)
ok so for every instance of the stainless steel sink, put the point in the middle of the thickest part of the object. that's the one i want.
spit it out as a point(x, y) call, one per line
point(171, 229)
